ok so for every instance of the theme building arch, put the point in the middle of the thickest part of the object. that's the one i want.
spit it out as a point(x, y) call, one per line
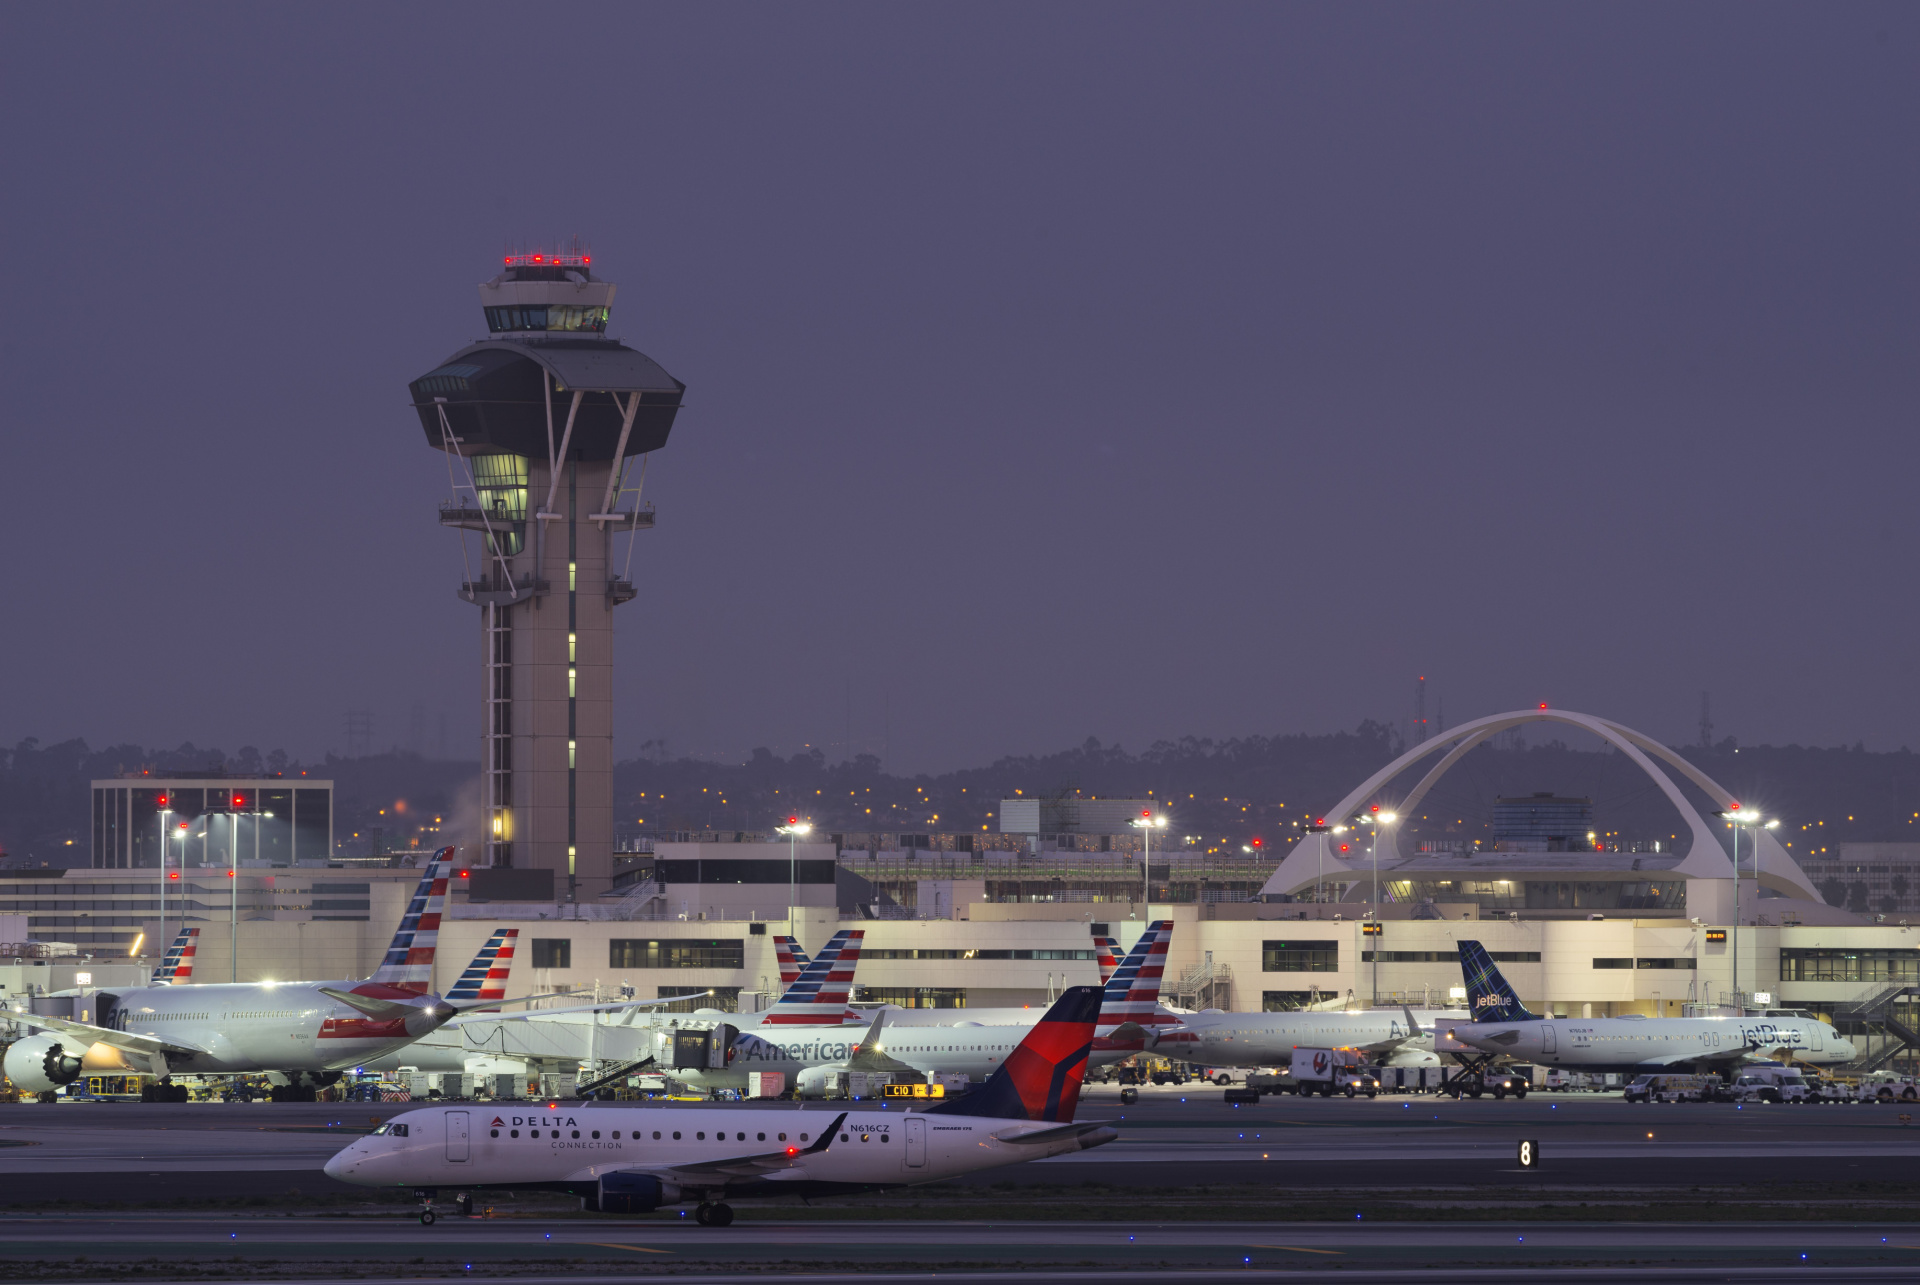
point(1707, 859)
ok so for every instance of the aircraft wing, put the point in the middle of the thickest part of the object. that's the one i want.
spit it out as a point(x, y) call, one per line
point(1722, 1056)
point(756, 1165)
point(146, 1045)
point(611, 1006)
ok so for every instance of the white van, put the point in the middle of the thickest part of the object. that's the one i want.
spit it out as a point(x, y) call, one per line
point(1767, 1084)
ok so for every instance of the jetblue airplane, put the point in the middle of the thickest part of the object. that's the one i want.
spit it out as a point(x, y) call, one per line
point(1502, 1025)
point(304, 1034)
point(629, 1160)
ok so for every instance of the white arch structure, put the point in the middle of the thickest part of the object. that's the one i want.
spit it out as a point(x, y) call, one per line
point(1705, 860)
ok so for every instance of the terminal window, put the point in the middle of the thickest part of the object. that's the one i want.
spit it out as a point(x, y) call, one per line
point(553, 952)
point(1802, 964)
point(676, 953)
point(1300, 956)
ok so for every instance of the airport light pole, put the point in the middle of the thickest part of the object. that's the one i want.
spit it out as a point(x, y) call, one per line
point(1739, 817)
point(1321, 828)
point(793, 829)
point(1147, 823)
point(165, 812)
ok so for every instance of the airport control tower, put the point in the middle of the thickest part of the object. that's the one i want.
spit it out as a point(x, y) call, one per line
point(542, 423)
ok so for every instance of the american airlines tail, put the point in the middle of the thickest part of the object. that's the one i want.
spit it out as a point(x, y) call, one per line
point(791, 958)
point(486, 977)
point(1132, 994)
point(1489, 997)
point(819, 994)
point(177, 965)
point(409, 962)
point(1105, 952)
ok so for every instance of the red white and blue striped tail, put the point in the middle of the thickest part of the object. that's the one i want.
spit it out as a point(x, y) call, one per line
point(1133, 992)
point(1040, 1080)
point(791, 959)
point(486, 977)
point(409, 962)
point(819, 995)
point(176, 965)
point(1106, 950)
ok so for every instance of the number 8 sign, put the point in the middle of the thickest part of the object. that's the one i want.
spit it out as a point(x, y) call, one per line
point(1529, 1154)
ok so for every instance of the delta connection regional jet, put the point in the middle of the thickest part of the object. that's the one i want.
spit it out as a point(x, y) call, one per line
point(622, 1159)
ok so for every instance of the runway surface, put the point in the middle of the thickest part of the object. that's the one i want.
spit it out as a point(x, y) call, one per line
point(270, 1247)
point(1172, 1137)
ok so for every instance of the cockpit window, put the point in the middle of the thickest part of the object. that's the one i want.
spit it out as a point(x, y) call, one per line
point(382, 1129)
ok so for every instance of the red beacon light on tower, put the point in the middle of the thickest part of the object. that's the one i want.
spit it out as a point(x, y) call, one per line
point(548, 260)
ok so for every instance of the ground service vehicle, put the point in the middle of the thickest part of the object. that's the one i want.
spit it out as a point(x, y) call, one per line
point(1330, 1071)
point(1672, 1087)
point(1768, 1084)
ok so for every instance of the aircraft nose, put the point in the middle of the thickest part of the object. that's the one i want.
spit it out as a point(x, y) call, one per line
point(343, 1162)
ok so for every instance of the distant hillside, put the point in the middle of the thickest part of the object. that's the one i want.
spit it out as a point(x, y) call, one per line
point(1223, 792)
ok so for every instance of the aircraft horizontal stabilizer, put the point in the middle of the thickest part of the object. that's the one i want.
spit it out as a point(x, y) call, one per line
point(1084, 1129)
point(385, 1010)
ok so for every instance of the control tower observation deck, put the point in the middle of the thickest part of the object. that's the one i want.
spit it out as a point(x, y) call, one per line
point(542, 423)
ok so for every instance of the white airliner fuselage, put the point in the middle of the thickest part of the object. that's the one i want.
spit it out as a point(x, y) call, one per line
point(751, 1152)
point(1268, 1039)
point(1654, 1043)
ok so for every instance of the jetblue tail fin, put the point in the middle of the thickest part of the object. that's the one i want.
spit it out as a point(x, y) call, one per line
point(486, 977)
point(1040, 1080)
point(409, 962)
point(818, 996)
point(1489, 997)
point(176, 965)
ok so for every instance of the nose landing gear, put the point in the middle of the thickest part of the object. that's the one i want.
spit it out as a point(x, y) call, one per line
point(427, 1216)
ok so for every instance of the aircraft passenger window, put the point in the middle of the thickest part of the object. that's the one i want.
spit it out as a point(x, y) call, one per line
point(843, 1137)
point(783, 1137)
point(576, 1133)
point(743, 1137)
point(676, 1135)
point(701, 1136)
point(656, 1135)
point(513, 1133)
point(886, 1137)
point(494, 1134)
point(866, 1137)
point(762, 1137)
point(803, 1137)
point(596, 1133)
point(556, 1133)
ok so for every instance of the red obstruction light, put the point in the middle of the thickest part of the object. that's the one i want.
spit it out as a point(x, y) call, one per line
point(793, 820)
point(239, 800)
point(173, 874)
point(464, 873)
point(1258, 842)
point(162, 800)
point(1543, 704)
point(1343, 847)
point(229, 874)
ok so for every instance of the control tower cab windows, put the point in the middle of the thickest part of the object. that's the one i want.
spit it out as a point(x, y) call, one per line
point(551, 316)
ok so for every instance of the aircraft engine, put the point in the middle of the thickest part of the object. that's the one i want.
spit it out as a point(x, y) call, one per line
point(631, 1193)
point(42, 1063)
point(816, 1081)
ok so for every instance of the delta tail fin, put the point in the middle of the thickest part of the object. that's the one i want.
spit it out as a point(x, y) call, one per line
point(176, 966)
point(1040, 1080)
point(1489, 997)
point(409, 962)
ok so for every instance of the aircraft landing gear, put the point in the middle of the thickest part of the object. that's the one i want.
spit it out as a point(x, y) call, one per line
point(465, 1202)
point(714, 1215)
point(427, 1216)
